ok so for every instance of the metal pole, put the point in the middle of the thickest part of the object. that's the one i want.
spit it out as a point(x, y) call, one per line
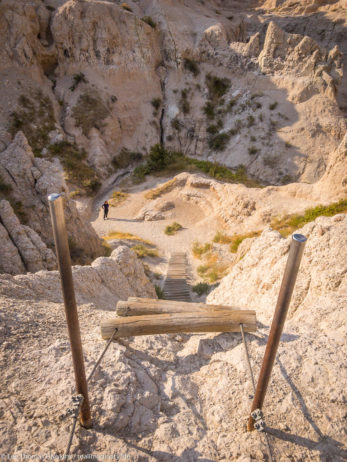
point(290, 273)
point(63, 255)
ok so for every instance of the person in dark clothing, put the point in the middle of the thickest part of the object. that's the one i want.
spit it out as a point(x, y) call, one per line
point(105, 206)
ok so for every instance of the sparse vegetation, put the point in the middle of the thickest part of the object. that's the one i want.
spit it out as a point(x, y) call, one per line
point(273, 106)
point(35, 118)
point(159, 291)
point(200, 249)
point(77, 79)
point(217, 86)
point(143, 251)
point(107, 248)
point(192, 66)
point(184, 103)
point(170, 230)
point(219, 142)
point(76, 170)
point(201, 288)
point(154, 193)
point(209, 110)
point(252, 150)
point(270, 161)
point(5, 188)
point(250, 121)
point(238, 238)
point(126, 7)
point(212, 270)
point(156, 103)
point(175, 124)
point(118, 235)
point(148, 20)
point(212, 129)
point(161, 159)
point(126, 158)
point(288, 224)
point(222, 238)
point(19, 211)
point(90, 111)
point(117, 198)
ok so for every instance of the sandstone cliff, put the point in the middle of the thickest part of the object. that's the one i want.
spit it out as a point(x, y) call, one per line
point(29, 180)
point(120, 78)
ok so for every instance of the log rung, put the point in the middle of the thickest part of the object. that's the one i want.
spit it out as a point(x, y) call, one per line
point(219, 321)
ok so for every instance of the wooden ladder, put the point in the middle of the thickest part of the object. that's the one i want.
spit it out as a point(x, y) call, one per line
point(175, 285)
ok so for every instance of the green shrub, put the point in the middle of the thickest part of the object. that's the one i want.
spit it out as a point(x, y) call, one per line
point(219, 142)
point(90, 111)
point(191, 66)
point(201, 288)
point(159, 291)
point(252, 150)
point(250, 121)
point(156, 103)
point(184, 103)
point(273, 106)
point(170, 230)
point(176, 124)
point(77, 79)
point(217, 86)
point(254, 139)
point(212, 129)
point(148, 20)
point(209, 110)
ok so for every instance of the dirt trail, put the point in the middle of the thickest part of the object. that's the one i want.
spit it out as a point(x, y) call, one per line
point(196, 223)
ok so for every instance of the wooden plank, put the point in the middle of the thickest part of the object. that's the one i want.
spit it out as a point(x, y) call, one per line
point(146, 306)
point(221, 321)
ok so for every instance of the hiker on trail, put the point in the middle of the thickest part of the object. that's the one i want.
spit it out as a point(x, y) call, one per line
point(105, 206)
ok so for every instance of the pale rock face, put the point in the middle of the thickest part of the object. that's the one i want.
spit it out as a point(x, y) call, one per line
point(283, 53)
point(106, 281)
point(32, 180)
point(10, 261)
point(33, 253)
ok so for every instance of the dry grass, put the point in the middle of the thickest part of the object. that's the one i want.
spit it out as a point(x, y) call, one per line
point(126, 236)
point(170, 230)
point(143, 251)
point(200, 249)
point(213, 270)
point(117, 198)
point(166, 187)
point(289, 223)
point(90, 111)
point(238, 238)
point(222, 238)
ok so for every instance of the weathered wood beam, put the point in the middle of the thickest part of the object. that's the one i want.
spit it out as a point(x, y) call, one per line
point(219, 321)
point(144, 306)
